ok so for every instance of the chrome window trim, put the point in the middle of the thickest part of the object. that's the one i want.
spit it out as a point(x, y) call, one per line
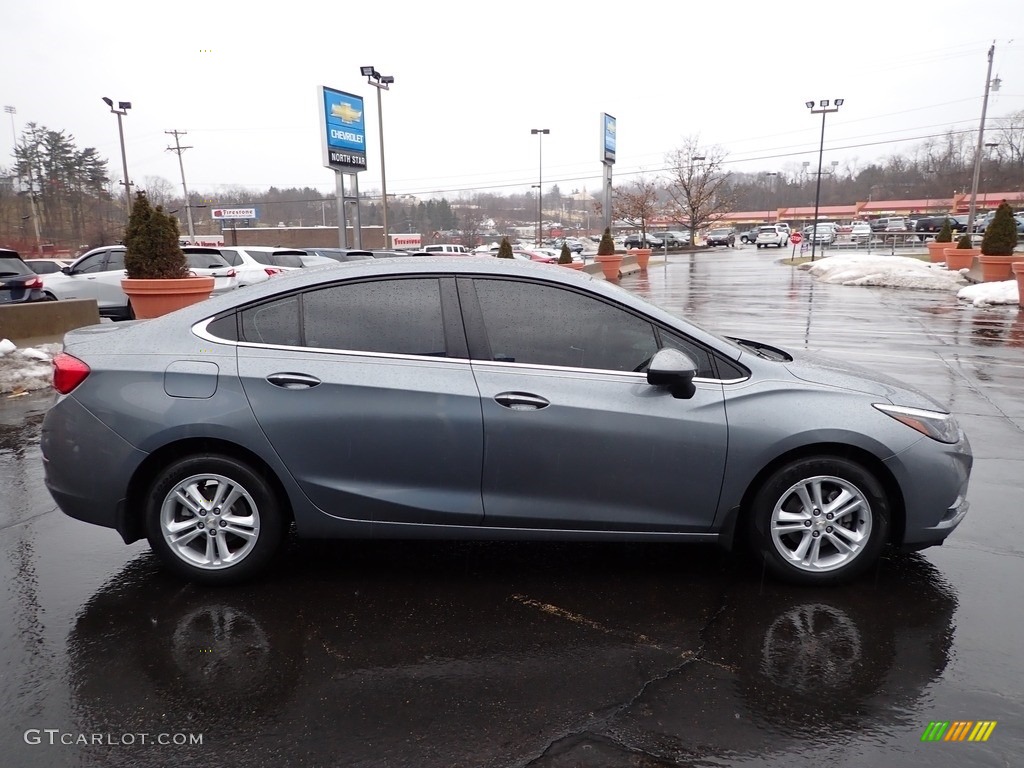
point(200, 330)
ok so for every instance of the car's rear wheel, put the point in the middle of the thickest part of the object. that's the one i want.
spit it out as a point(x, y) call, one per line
point(820, 520)
point(212, 519)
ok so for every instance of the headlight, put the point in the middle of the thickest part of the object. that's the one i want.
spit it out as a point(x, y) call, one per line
point(934, 424)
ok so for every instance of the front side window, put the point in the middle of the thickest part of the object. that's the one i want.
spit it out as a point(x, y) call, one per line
point(115, 261)
point(547, 325)
point(91, 264)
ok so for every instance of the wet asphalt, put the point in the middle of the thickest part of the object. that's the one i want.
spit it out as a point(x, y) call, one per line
point(548, 655)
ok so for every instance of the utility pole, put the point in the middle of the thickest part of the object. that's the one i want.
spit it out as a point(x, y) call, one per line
point(981, 138)
point(188, 203)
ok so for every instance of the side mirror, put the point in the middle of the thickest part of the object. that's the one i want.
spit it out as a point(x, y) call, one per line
point(675, 370)
point(66, 270)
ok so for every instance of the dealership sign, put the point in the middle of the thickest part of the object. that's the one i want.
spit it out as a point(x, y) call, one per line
point(607, 139)
point(343, 130)
point(234, 213)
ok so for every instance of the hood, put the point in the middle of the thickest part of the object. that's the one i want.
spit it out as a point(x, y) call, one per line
point(833, 373)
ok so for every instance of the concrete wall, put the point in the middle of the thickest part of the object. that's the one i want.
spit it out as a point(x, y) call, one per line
point(46, 320)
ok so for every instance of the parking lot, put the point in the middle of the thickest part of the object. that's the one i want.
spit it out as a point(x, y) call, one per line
point(551, 655)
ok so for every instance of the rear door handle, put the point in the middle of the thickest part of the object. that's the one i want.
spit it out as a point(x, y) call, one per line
point(293, 380)
point(521, 401)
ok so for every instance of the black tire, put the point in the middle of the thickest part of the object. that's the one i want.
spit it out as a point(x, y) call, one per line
point(249, 532)
point(807, 547)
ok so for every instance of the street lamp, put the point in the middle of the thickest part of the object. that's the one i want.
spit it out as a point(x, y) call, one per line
point(771, 176)
point(540, 178)
point(381, 83)
point(121, 111)
point(823, 109)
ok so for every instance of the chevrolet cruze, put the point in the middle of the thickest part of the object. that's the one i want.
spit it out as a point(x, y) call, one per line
point(410, 398)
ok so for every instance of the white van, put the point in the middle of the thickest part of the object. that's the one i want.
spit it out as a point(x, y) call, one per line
point(447, 249)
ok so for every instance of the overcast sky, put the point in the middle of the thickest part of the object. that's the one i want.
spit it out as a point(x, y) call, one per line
point(472, 79)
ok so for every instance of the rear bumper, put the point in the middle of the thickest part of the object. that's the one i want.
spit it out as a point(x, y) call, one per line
point(86, 466)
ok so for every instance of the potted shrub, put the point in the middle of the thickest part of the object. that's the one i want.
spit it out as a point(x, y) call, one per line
point(565, 258)
point(158, 279)
point(505, 249)
point(609, 260)
point(937, 247)
point(997, 245)
point(961, 257)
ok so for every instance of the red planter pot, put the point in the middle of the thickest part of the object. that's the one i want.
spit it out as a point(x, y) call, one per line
point(997, 268)
point(610, 265)
point(1018, 270)
point(961, 258)
point(153, 298)
point(643, 256)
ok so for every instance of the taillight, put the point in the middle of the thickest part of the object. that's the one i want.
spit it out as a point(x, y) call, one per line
point(231, 273)
point(272, 271)
point(68, 372)
point(35, 284)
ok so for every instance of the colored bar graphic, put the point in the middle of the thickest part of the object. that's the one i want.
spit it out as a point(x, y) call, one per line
point(982, 730)
point(959, 730)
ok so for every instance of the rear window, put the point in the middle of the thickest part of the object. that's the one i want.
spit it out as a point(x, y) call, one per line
point(13, 266)
point(206, 260)
point(771, 229)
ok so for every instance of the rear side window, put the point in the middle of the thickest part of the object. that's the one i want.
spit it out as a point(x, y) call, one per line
point(391, 316)
point(232, 258)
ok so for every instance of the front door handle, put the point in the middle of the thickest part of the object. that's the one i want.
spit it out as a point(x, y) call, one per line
point(293, 380)
point(521, 401)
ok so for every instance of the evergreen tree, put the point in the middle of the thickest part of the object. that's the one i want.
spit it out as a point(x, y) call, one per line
point(1000, 236)
point(152, 243)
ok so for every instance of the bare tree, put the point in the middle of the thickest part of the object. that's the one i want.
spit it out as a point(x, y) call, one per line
point(636, 204)
point(698, 186)
point(159, 190)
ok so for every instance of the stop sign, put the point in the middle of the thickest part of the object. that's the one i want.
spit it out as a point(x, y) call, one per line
point(795, 238)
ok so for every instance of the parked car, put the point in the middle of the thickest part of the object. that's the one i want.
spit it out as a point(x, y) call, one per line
point(896, 225)
point(18, 283)
point(721, 236)
point(341, 254)
point(97, 274)
point(673, 239)
point(748, 235)
point(825, 233)
point(638, 241)
point(860, 232)
point(772, 234)
point(933, 224)
point(817, 463)
point(46, 266)
point(258, 263)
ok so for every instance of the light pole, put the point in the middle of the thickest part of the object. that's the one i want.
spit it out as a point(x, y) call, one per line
point(540, 179)
point(121, 111)
point(381, 83)
point(822, 109)
point(771, 176)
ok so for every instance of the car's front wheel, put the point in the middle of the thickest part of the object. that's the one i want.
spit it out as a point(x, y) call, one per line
point(820, 520)
point(213, 519)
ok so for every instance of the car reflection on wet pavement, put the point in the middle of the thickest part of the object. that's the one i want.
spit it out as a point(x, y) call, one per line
point(555, 655)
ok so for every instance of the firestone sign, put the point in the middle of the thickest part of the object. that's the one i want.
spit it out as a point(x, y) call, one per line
point(234, 213)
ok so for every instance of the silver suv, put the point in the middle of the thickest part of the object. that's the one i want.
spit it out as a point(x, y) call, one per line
point(772, 234)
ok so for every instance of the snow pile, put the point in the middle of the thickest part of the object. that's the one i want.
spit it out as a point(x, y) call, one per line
point(986, 294)
point(22, 370)
point(885, 271)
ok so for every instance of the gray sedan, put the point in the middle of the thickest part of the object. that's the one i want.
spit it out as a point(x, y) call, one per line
point(397, 398)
